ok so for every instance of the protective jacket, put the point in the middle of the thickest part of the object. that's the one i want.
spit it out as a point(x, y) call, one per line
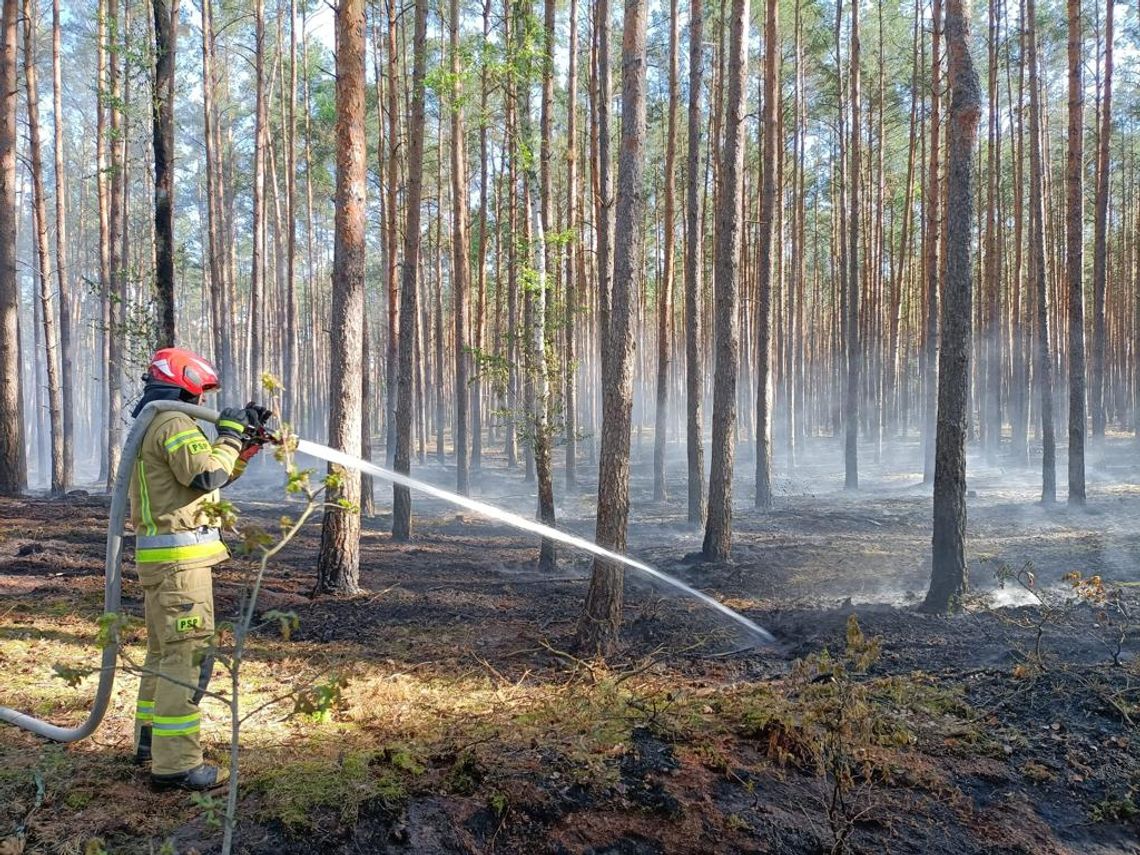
point(177, 471)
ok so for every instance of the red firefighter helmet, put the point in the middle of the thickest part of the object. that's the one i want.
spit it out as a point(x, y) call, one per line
point(184, 369)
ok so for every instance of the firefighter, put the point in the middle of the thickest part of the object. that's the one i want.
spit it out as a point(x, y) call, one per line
point(179, 470)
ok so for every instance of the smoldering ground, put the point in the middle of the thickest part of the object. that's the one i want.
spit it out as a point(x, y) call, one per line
point(999, 762)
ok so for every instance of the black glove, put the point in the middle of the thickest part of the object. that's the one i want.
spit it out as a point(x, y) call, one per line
point(258, 414)
point(233, 422)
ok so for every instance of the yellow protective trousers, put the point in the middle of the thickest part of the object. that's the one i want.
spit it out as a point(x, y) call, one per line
point(179, 607)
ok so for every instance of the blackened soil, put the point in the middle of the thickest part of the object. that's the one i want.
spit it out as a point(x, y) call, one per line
point(1041, 754)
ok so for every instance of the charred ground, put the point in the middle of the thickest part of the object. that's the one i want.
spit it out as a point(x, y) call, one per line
point(466, 723)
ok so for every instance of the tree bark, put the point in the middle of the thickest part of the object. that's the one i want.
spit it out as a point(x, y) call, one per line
point(43, 273)
point(102, 181)
point(292, 372)
point(570, 379)
point(603, 206)
point(729, 215)
point(932, 240)
point(542, 226)
point(949, 580)
point(510, 444)
point(460, 274)
point(165, 50)
point(793, 324)
point(436, 311)
point(215, 239)
point(601, 618)
point(665, 297)
point(338, 565)
point(481, 311)
point(116, 296)
point(537, 180)
point(1074, 258)
point(694, 343)
point(63, 272)
point(1038, 272)
point(394, 298)
point(894, 374)
point(255, 360)
point(1019, 401)
point(13, 463)
point(854, 272)
point(401, 497)
point(1100, 238)
point(990, 372)
point(765, 258)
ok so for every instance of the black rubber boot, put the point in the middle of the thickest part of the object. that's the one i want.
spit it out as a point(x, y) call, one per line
point(142, 752)
point(201, 777)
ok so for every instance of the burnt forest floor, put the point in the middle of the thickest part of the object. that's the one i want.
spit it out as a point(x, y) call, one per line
point(465, 722)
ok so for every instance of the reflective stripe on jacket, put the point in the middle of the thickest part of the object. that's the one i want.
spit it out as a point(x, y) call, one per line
point(167, 494)
point(165, 548)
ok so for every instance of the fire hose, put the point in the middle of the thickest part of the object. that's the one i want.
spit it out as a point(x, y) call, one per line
point(112, 598)
point(113, 579)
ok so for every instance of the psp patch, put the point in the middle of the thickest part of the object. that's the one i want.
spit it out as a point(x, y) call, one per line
point(198, 446)
point(185, 624)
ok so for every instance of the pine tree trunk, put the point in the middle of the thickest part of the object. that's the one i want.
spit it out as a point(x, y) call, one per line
point(63, 273)
point(513, 398)
point(292, 372)
point(603, 214)
point(570, 374)
point(949, 580)
point(460, 274)
point(102, 173)
point(854, 270)
point(665, 296)
point(43, 274)
point(1100, 239)
point(367, 483)
point(165, 50)
point(395, 326)
point(1020, 398)
point(694, 343)
point(991, 329)
point(220, 309)
point(601, 618)
point(729, 215)
point(932, 240)
point(537, 192)
point(542, 226)
point(338, 566)
point(13, 464)
point(793, 359)
point(894, 374)
point(800, 377)
point(402, 499)
point(255, 360)
point(1038, 273)
point(765, 258)
point(116, 297)
point(1074, 258)
point(440, 420)
point(481, 311)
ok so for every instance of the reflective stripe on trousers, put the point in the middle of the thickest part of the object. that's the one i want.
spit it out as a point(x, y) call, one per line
point(179, 608)
point(177, 725)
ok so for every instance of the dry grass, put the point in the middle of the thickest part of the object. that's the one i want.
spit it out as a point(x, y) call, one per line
point(395, 730)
